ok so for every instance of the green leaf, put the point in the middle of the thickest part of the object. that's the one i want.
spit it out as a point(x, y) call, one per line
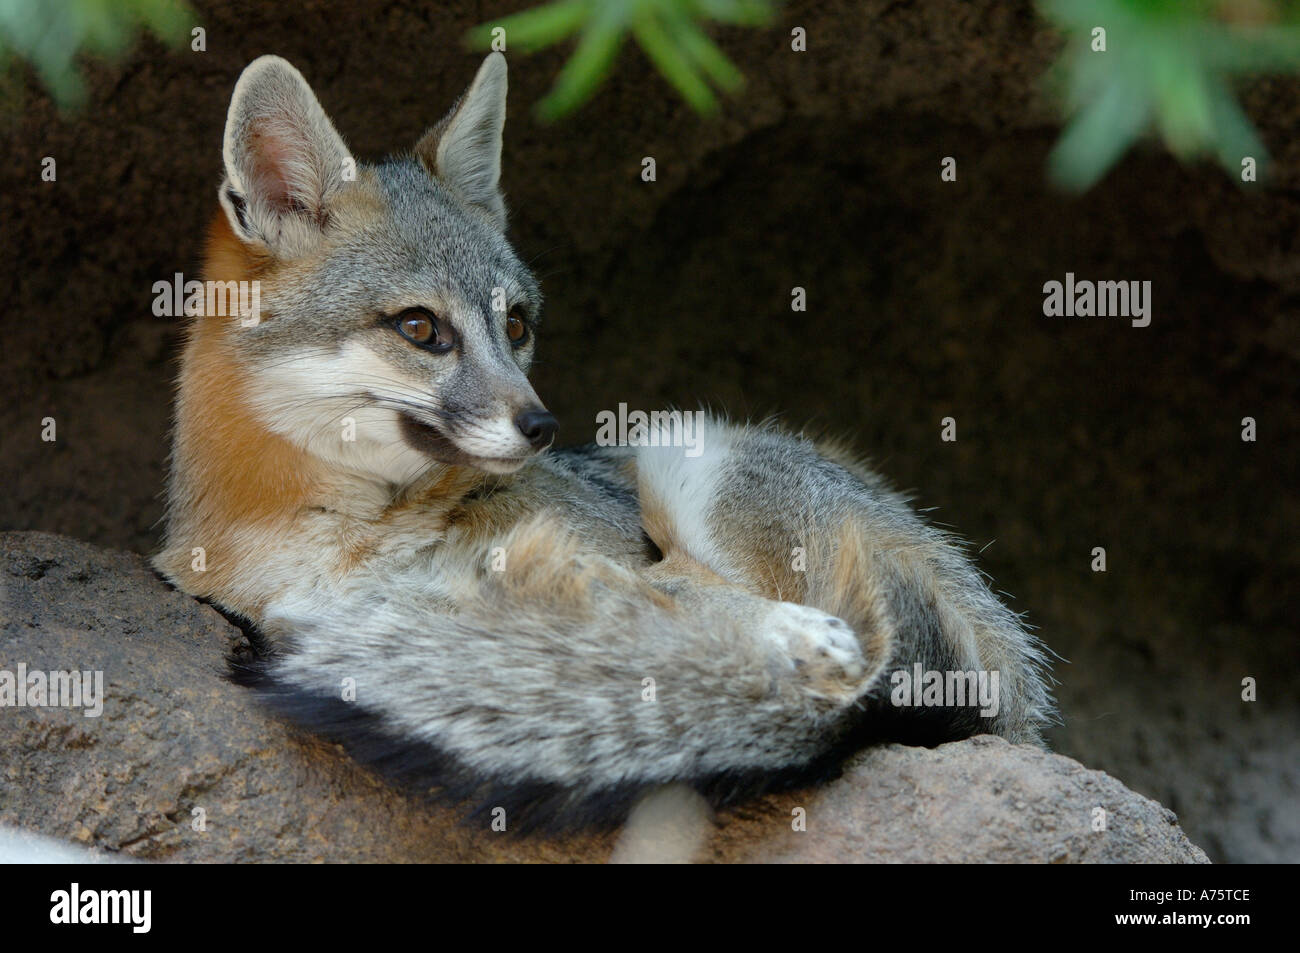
point(534, 29)
point(1097, 137)
point(669, 31)
point(1167, 68)
point(705, 52)
point(587, 67)
point(50, 35)
point(672, 62)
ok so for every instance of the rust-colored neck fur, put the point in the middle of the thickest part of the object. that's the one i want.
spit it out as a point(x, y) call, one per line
point(248, 472)
point(229, 474)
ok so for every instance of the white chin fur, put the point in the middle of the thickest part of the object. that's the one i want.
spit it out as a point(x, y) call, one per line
point(494, 441)
point(300, 400)
point(500, 466)
point(382, 452)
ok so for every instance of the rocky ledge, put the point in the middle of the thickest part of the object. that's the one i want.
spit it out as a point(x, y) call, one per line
point(181, 765)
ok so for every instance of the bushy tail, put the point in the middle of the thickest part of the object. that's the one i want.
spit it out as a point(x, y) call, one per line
point(788, 518)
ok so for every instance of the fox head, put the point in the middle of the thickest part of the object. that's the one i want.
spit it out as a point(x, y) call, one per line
point(395, 323)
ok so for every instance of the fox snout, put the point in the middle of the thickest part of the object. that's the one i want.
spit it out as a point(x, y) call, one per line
point(494, 433)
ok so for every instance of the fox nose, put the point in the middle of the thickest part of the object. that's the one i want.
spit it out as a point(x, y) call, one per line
point(537, 426)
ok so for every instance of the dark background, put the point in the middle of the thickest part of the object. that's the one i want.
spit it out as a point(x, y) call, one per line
point(924, 301)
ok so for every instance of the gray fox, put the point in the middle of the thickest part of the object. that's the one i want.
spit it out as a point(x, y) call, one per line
point(363, 471)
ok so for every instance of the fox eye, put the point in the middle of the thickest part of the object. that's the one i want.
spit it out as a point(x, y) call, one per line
point(425, 329)
point(516, 329)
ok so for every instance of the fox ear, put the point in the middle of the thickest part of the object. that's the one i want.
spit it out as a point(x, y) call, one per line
point(284, 160)
point(464, 149)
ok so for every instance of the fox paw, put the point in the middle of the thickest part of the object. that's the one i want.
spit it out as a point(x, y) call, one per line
point(817, 649)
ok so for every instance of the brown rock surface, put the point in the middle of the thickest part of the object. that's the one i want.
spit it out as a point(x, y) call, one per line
point(979, 801)
point(174, 739)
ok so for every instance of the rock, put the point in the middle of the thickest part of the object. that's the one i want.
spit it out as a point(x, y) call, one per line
point(978, 801)
point(182, 765)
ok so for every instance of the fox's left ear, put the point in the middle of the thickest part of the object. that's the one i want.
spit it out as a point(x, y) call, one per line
point(464, 149)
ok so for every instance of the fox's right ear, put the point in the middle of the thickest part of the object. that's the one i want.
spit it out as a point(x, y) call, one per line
point(464, 149)
point(284, 160)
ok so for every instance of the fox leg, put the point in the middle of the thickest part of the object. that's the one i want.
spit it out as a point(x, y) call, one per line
point(820, 649)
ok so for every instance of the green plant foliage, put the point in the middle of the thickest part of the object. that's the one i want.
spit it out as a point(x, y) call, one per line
point(1167, 67)
point(50, 34)
point(669, 31)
